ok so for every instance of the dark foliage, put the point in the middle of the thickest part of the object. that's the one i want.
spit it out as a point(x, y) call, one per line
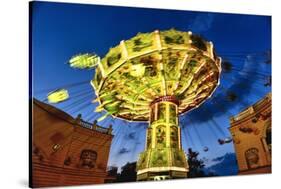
point(195, 165)
point(128, 173)
point(231, 96)
point(226, 66)
point(227, 165)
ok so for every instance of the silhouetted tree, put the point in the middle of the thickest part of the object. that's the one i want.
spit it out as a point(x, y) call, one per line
point(231, 96)
point(226, 66)
point(111, 174)
point(128, 173)
point(195, 165)
point(112, 171)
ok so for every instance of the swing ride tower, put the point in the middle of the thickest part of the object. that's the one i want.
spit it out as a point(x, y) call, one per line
point(154, 77)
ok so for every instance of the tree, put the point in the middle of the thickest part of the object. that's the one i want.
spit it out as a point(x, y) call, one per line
point(128, 173)
point(195, 165)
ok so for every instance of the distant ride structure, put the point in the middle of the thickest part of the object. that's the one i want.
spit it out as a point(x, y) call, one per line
point(57, 96)
point(155, 77)
point(84, 61)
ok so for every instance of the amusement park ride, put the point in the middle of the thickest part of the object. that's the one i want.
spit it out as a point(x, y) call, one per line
point(154, 77)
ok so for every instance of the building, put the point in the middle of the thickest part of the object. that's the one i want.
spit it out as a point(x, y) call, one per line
point(67, 151)
point(251, 132)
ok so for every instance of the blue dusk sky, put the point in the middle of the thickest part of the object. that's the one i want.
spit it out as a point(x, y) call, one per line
point(61, 30)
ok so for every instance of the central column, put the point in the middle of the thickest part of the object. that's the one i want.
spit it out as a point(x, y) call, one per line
point(163, 157)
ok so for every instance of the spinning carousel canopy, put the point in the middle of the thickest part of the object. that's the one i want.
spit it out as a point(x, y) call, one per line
point(152, 66)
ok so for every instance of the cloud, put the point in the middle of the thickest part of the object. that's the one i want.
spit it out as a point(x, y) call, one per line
point(218, 158)
point(227, 165)
point(240, 83)
point(131, 136)
point(123, 151)
point(202, 22)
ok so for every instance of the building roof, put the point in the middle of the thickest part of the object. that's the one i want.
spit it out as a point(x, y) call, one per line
point(54, 111)
point(256, 107)
point(68, 118)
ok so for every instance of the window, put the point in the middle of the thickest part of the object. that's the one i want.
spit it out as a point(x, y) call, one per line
point(174, 137)
point(252, 157)
point(148, 138)
point(268, 137)
point(161, 136)
point(88, 159)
